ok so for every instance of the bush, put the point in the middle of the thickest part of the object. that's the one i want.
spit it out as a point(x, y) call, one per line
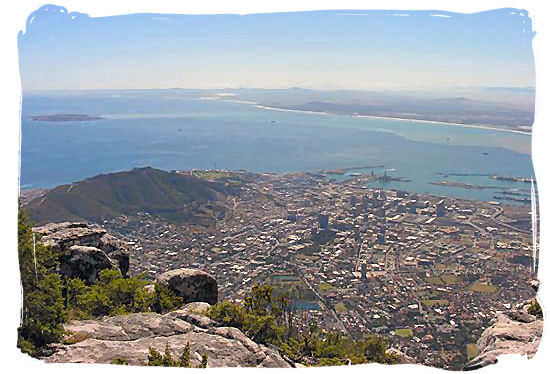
point(534, 308)
point(114, 295)
point(155, 358)
point(120, 361)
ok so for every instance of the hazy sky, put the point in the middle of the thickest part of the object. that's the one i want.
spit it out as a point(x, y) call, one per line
point(327, 50)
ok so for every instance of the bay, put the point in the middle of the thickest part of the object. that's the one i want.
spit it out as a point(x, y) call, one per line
point(165, 131)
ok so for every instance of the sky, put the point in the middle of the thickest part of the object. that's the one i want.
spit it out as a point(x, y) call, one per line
point(341, 49)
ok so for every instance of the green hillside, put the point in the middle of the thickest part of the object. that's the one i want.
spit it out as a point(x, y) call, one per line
point(173, 196)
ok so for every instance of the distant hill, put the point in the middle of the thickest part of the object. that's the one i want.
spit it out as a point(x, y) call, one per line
point(172, 196)
point(454, 110)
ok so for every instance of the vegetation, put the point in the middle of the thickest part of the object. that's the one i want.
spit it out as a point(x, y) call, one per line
point(75, 337)
point(535, 309)
point(120, 361)
point(113, 295)
point(404, 333)
point(482, 287)
point(443, 280)
point(325, 287)
point(155, 358)
point(172, 196)
point(267, 319)
point(43, 311)
point(340, 308)
point(471, 350)
point(436, 302)
point(50, 299)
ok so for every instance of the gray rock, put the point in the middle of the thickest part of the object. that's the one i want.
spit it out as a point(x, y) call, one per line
point(191, 284)
point(196, 319)
point(62, 236)
point(131, 336)
point(514, 332)
point(402, 357)
point(84, 263)
point(197, 307)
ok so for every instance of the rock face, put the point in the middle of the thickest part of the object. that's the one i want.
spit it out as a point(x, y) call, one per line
point(84, 262)
point(514, 332)
point(400, 356)
point(191, 284)
point(130, 337)
point(65, 236)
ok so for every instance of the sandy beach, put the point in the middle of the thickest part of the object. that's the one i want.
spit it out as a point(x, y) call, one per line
point(476, 126)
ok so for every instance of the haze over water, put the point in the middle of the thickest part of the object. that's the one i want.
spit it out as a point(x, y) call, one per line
point(169, 132)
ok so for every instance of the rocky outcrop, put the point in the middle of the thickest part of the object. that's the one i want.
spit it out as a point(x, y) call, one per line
point(84, 263)
point(401, 357)
point(64, 237)
point(514, 332)
point(191, 284)
point(130, 337)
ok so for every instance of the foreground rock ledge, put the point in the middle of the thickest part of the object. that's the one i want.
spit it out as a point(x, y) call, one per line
point(130, 336)
point(514, 332)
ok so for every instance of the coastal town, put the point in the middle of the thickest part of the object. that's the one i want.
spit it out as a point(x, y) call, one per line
point(427, 272)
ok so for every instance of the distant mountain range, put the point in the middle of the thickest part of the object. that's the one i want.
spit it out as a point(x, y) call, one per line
point(173, 196)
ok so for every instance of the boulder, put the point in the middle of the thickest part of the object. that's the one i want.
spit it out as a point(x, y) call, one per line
point(84, 263)
point(191, 284)
point(62, 236)
point(130, 337)
point(514, 332)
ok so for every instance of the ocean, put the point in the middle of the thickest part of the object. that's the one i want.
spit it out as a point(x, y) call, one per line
point(168, 131)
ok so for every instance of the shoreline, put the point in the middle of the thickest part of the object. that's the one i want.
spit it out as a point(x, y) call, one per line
point(429, 122)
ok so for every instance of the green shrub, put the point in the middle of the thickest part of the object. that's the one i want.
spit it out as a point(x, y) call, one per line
point(120, 361)
point(534, 308)
point(155, 358)
point(114, 295)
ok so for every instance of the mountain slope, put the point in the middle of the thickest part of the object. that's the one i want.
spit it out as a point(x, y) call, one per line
point(173, 196)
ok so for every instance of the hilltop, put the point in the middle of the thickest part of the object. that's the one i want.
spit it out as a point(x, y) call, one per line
point(173, 196)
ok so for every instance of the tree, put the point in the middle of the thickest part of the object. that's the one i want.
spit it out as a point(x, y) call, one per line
point(155, 358)
point(266, 319)
point(43, 306)
point(185, 358)
point(204, 361)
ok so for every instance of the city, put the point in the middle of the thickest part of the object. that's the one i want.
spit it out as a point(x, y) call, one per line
point(428, 272)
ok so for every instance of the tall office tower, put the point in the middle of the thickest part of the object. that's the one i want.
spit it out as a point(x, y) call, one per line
point(323, 221)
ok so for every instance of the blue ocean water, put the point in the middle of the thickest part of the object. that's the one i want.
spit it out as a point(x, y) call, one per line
point(171, 132)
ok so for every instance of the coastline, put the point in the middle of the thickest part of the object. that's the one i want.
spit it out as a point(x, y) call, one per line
point(429, 122)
